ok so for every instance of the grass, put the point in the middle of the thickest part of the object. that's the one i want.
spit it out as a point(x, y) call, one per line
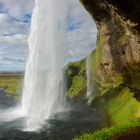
point(123, 107)
point(12, 83)
point(123, 111)
point(106, 133)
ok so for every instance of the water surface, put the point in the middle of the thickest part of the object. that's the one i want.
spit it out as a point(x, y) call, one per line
point(61, 126)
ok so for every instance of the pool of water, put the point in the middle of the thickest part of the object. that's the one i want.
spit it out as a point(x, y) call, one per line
point(61, 126)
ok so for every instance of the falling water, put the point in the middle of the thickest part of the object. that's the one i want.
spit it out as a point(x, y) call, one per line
point(90, 87)
point(44, 78)
point(57, 37)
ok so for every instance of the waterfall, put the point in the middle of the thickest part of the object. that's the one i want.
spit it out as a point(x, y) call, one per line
point(90, 90)
point(44, 77)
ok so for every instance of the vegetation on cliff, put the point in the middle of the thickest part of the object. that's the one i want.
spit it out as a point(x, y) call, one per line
point(108, 133)
point(76, 78)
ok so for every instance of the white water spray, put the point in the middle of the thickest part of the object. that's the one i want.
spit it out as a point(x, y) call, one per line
point(51, 42)
point(90, 87)
point(44, 85)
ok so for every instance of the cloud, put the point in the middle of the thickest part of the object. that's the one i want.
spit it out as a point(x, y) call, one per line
point(12, 32)
point(17, 39)
point(9, 25)
point(14, 29)
point(81, 32)
point(15, 16)
point(17, 8)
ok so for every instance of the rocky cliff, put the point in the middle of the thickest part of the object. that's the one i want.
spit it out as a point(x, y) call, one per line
point(115, 68)
point(118, 46)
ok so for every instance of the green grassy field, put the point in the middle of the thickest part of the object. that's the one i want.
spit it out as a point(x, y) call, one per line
point(11, 82)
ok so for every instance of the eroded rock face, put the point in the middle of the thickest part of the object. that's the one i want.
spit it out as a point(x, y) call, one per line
point(117, 57)
point(115, 68)
point(103, 10)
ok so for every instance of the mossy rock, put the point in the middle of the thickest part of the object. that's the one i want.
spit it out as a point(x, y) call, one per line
point(76, 78)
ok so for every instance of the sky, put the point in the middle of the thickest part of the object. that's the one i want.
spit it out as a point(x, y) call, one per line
point(15, 20)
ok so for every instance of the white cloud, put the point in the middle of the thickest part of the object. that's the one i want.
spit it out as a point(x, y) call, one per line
point(9, 25)
point(14, 30)
point(17, 39)
point(13, 39)
point(18, 8)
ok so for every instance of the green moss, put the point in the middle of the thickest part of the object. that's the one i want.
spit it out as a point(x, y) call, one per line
point(69, 72)
point(123, 111)
point(77, 79)
point(134, 77)
point(78, 86)
point(97, 54)
point(81, 65)
point(106, 133)
point(123, 107)
point(114, 82)
point(121, 39)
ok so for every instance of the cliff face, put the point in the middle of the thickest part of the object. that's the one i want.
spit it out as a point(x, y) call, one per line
point(115, 69)
point(116, 60)
point(118, 45)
